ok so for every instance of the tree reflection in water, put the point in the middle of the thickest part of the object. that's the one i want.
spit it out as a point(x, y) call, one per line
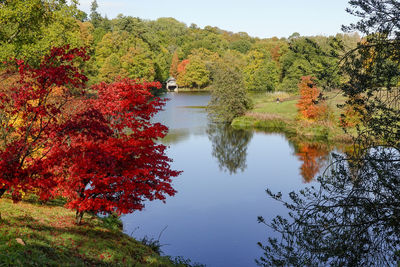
point(351, 219)
point(229, 146)
point(313, 157)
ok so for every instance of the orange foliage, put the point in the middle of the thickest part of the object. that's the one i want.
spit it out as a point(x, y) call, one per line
point(350, 117)
point(182, 66)
point(275, 53)
point(369, 55)
point(353, 112)
point(7, 79)
point(310, 104)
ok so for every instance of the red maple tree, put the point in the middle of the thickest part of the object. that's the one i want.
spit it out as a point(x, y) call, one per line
point(31, 109)
point(112, 160)
point(100, 152)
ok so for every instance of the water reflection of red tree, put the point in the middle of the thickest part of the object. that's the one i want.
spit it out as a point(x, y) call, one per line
point(313, 157)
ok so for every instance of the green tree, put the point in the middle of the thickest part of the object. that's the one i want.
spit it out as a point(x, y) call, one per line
point(20, 24)
point(196, 74)
point(95, 17)
point(261, 72)
point(28, 29)
point(273, 46)
point(162, 60)
point(170, 32)
point(111, 42)
point(240, 41)
point(199, 70)
point(135, 56)
point(229, 97)
point(210, 38)
point(306, 57)
point(138, 63)
point(243, 46)
point(64, 29)
point(110, 69)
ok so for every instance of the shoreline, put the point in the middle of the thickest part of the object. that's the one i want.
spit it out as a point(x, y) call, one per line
point(270, 116)
point(292, 129)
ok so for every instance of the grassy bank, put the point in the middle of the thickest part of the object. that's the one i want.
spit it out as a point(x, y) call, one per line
point(32, 234)
point(282, 117)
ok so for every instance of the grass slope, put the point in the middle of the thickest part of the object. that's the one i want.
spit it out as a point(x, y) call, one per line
point(46, 235)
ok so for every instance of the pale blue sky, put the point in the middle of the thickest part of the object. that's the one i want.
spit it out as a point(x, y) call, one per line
point(259, 18)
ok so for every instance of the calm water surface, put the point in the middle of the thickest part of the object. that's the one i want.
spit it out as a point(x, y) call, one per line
point(221, 192)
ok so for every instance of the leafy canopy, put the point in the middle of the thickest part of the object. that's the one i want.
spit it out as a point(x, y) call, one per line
point(99, 152)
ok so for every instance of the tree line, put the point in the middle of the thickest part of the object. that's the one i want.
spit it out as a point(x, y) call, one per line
point(153, 50)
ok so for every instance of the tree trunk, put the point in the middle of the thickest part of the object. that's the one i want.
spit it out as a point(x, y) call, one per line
point(2, 191)
point(79, 216)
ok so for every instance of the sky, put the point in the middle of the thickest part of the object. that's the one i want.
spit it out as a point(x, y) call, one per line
point(259, 18)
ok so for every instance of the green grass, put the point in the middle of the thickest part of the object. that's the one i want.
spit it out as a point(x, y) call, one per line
point(273, 125)
point(286, 109)
point(51, 238)
point(270, 116)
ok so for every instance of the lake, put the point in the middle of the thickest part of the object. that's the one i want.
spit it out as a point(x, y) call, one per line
point(212, 219)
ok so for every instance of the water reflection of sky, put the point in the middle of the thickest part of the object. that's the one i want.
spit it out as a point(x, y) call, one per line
point(183, 111)
point(213, 217)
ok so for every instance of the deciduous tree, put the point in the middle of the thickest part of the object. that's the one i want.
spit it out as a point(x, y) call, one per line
point(29, 29)
point(229, 98)
point(111, 162)
point(31, 111)
point(261, 72)
point(173, 70)
point(100, 152)
point(311, 104)
point(196, 73)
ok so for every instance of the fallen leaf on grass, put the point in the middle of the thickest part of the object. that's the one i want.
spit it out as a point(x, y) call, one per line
point(20, 241)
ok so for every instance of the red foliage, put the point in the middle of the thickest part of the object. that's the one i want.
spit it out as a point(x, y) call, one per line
point(310, 105)
point(182, 66)
point(30, 114)
point(98, 152)
point(112, 161)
